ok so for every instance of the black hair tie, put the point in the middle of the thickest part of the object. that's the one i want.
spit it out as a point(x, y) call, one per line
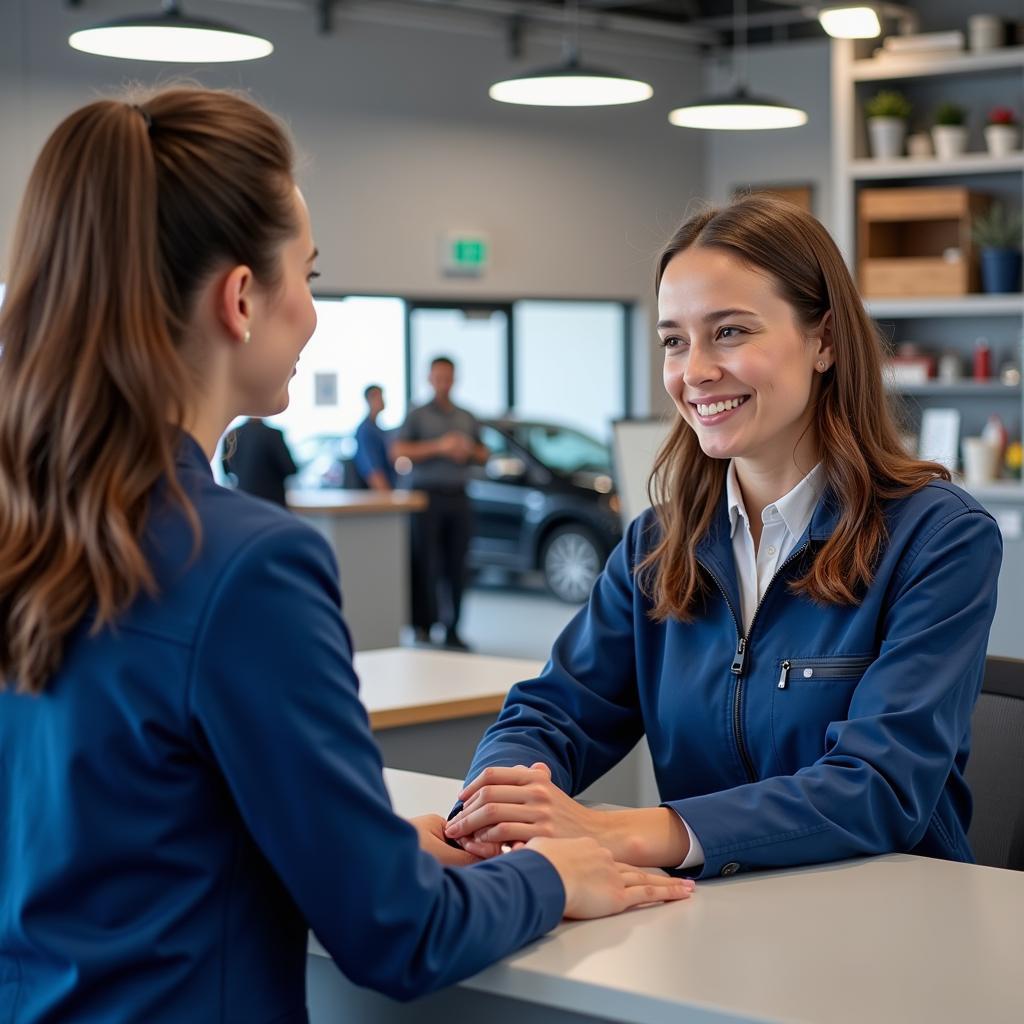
point(145, 117)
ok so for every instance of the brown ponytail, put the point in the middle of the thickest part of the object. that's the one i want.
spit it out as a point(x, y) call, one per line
point(127, 211)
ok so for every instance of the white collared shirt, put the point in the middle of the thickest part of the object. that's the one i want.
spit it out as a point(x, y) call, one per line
point(783, 523)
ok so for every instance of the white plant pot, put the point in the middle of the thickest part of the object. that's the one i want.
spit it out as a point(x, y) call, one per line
point(1002, 139)
point(886, 135)
point(950, 140)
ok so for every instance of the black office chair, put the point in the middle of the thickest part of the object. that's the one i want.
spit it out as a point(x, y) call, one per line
point(995, 769)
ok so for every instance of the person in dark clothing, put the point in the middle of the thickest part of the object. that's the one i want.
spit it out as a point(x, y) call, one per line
point(188, 781)
point(442, 441)
point(257, 456)
point(372, 460)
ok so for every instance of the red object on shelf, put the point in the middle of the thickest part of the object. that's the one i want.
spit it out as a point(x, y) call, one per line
point(982, 360)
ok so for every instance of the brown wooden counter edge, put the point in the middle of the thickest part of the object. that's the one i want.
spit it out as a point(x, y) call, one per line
point(357, 503)
point(444, 711)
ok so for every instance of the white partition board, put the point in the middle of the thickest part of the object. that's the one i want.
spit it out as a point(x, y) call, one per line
point(635, 445)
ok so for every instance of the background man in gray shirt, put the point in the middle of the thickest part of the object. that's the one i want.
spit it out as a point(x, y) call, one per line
point(442, 441)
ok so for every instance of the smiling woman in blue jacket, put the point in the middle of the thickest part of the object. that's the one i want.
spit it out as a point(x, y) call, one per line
point(187, 778)
point(799, 626)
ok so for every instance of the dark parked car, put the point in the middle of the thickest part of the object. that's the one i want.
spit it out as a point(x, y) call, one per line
point(545, 500)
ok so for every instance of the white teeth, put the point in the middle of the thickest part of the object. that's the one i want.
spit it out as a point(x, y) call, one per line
point(714, 408)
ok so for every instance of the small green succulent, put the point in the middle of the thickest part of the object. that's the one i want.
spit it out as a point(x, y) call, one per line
point(950, 114)
point(998, 228)
point(888, 103)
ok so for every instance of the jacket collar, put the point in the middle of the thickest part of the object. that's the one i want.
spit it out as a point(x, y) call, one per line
point(190, 455)
point(714, 549)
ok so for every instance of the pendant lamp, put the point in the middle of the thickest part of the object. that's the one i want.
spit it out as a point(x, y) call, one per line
point(738, 110)
point(171, 37)
point(571, 83)
point(851, 21)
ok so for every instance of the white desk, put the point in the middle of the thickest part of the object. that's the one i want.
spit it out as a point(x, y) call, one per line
point(428, 710)
point(889, 940)
point(412, 686)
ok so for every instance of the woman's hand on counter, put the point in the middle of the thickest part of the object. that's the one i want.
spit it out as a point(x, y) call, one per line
point(508, 806)
point(596, 885)
point(431, 832)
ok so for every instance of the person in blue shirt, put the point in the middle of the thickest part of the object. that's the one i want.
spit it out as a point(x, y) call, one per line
point(188, 781)
point(373, 463)
point(799, 624)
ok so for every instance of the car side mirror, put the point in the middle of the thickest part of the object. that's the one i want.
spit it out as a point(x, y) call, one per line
point(505, 467)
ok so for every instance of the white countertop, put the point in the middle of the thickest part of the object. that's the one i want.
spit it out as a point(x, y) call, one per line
point(408, 685)
point(888, 940)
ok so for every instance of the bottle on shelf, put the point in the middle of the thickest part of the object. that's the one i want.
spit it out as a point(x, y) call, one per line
point(982, 359)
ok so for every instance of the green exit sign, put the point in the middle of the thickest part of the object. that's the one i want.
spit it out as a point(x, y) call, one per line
point(464, 255)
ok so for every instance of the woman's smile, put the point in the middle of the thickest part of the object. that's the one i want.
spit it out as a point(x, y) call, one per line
point(713, 410)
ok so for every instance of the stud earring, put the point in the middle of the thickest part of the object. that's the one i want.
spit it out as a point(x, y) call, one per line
point(247, 337)
point(821, 364)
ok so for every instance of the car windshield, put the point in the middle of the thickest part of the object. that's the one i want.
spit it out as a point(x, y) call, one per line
point(564, 450)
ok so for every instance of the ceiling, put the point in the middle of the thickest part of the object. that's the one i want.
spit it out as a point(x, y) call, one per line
point(768, 20)
point(707, 23)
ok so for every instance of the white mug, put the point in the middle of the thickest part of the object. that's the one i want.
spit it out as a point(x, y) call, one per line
point(984, 32)
point(981, 461)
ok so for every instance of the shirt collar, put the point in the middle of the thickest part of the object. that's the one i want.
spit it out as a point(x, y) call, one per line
point(795, 508)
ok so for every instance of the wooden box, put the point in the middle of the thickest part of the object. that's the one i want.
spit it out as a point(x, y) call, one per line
point(906, 236)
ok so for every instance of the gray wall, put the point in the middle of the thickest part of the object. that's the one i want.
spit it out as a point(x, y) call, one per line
point(401, 142)
point(793, 72)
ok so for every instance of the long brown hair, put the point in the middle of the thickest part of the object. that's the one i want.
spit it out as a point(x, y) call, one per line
point(128, 210)
point(864, 460)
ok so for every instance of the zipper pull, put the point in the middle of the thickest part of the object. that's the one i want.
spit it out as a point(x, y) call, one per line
point(739, 661)
point(784, 675)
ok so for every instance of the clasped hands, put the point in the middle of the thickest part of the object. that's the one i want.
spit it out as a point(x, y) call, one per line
point(457, 446)
point(503, 808)
point(506, 807)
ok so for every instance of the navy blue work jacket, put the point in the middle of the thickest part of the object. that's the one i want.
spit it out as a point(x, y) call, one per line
point(828, 731)
point(197, 784)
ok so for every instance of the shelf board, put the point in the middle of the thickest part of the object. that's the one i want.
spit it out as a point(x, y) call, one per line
point(930, 167)
point(940, 306)
point(960, 388)
point(892, 66)
point(996, 490)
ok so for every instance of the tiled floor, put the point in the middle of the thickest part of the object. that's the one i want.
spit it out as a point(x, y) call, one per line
point(514, 621)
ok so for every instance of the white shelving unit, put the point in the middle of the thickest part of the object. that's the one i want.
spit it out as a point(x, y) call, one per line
point(958, 306)
point(854, 169)
point(909, 167)
point(954, 321)
point(888, 67)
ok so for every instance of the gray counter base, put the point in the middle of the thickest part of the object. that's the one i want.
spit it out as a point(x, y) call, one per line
point(327, 989)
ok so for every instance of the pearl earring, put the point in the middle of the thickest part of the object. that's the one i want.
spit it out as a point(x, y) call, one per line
point(247, 337)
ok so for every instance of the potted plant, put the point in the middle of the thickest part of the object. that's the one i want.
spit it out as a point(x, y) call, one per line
point(998, 234)
point(887, 113)
point(949, 133)
point(1002, 133)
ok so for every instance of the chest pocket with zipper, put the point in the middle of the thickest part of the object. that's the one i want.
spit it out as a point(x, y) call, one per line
point(809, 694)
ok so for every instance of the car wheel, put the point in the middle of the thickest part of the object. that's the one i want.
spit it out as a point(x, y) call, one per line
point(571, 561)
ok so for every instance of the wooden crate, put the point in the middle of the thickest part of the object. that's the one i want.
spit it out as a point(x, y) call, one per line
point(903, 233)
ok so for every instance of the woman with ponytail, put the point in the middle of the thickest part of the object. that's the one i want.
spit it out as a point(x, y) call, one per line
point(798, 625)
point(187, 778)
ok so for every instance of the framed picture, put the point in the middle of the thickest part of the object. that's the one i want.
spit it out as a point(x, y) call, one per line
point(800, 194)
point(940, 437)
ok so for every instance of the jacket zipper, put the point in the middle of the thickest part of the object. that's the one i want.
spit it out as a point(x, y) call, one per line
point(739, 660)
point(829, 668)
